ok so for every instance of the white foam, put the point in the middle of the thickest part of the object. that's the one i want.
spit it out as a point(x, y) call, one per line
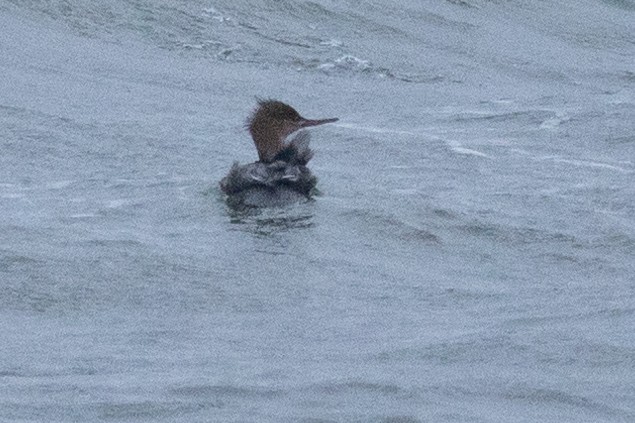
point(405, 191)
point(83, 215)
point(586, 163)
point(324, 66)
point(115, 204)
point(215, 14)
point(349, 61)
point(401, 167)
point(194, 46)
point(11, 196)
point(375, 129)
point(469, 152)
point(331, 43)
point(554, 122)
point(59, 184)
point(458, 148)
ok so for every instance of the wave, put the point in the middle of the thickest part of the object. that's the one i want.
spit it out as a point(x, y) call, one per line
point(387, 42)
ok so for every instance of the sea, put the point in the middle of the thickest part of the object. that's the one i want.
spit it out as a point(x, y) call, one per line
point(469, 257)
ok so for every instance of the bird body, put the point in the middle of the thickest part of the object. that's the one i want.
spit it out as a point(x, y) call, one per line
point(280, 176)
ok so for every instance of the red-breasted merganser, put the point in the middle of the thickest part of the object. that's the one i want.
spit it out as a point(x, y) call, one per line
point(280, 176)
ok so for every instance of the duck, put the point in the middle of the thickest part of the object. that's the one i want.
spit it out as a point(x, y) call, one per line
point(280, 176)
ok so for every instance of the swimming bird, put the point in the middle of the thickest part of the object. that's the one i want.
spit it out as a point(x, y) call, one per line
point(280, 176)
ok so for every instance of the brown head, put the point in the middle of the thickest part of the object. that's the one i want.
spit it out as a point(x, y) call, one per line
point(272, 122)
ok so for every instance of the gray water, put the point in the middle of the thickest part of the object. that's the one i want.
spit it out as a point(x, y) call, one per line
point(470, 257)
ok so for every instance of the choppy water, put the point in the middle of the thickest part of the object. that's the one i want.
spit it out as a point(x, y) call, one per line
point(470, 257)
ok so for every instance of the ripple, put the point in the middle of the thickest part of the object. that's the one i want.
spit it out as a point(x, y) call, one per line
point(245, 392)
point(400, 419)
point(518, 235)
point(538, 395)
point(341, 388)
point(470, 152)
point(149, 409)
point(394, 227)
point(349, 64)
point(9, 261)
point(590, 164)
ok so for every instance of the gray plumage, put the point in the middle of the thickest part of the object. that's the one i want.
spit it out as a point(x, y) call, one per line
point(287, 179)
